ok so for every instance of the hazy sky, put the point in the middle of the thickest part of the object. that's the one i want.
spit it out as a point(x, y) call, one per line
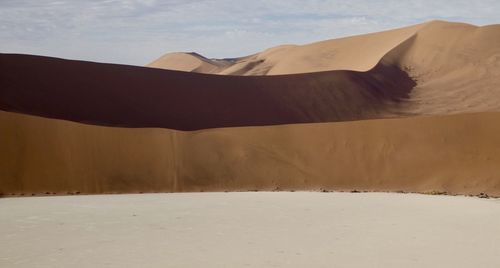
point(138, 31)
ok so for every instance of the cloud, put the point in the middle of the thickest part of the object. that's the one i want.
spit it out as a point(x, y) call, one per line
point(136, 32)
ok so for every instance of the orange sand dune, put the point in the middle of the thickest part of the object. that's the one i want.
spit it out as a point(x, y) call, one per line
point(191, 62)
point(436, 69)
point(454, 154)
point(429, 45)
point(357, 53)
point(456, 66)
point(403, 72)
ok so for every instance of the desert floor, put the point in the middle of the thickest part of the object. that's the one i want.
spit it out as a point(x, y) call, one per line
point(261, 229)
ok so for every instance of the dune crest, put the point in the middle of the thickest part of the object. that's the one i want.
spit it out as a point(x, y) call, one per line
point(356, 53)
point(460, 42)
point(456, 65)
point(191, 62)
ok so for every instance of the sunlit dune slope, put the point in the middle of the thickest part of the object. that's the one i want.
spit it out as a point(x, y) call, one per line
point(456, 154)
point(356, 53)
point(456, 66)
point(191, 62)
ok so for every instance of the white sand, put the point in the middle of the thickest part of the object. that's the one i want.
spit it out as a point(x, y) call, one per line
point(250, 230)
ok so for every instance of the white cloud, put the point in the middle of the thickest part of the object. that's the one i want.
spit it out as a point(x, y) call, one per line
point(135, 31)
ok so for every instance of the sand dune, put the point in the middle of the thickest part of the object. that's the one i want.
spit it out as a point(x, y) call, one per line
point(191, 62)
point(457, 154)
point(118, 95)
point(404, 72)
point(456, 65)
point(422, 49)
point(434, 69)
point(414, 109)
point(356, 53)
point(417, 77)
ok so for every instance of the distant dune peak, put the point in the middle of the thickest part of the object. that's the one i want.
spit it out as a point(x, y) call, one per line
point(456, 65)
point(355, 53)
point(190, 62)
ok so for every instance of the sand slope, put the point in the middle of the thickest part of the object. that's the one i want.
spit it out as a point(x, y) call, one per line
point(191, 62)
point(456, 65)
point(425, 47)
point(403, 72)
point(119, 95)
point(356, 53)
point(456, 154)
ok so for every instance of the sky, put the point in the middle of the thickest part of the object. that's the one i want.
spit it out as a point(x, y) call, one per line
point(138, 31)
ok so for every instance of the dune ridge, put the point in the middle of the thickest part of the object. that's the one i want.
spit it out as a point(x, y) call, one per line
point(413, 71)
point(456, 66)
point(191, 62)
point(357, 53)
point(364, 52)
point(456, 154)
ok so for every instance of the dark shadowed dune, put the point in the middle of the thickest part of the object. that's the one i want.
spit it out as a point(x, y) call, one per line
point(128, 96)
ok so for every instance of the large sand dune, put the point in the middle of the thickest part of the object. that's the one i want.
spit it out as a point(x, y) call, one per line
point(118, 95)
point(457, 154)
point(456, 65)
point(425, 47)
point(357, 53)
point(434, 69)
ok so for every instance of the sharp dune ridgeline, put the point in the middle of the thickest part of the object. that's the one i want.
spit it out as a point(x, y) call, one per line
point(414, 109)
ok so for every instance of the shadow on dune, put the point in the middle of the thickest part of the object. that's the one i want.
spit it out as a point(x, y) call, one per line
point(128, 96)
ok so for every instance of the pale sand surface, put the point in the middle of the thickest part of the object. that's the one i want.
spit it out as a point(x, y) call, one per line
point(264, 229)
